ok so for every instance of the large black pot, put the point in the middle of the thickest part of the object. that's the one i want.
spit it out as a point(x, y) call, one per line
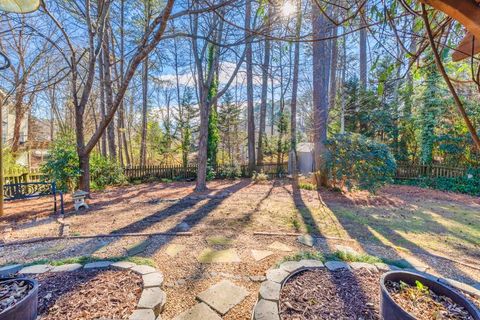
point(390, 310)
point(26, 309)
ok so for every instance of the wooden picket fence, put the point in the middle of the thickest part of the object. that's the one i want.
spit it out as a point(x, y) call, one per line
point(416, 171)
point(23, 176)
point(180, 172)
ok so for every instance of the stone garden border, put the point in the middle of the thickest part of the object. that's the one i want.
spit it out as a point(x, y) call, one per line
point(152, 299)
point(266, 307)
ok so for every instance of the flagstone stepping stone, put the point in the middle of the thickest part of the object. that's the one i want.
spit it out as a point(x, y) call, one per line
point(306, 239)
point(219, 241)
point(173, 249)
point(266, 310)
point(386, 267)
point(311, 263)
point(154, 279)
point(336, 265)
point(261, 254)
point(152, 298)
point(138, 248)
point(363, 265)
point(290, 266)
point(142, 314)
point(183, 227)
point(270, 290)
point(123, 265)
point(210, 255)
point(98, 265)
point(143, 269)
point(277, 275)
point(197, 312)
point(280, 247)
point(11, 269)
point(223, 296)
point(67, 267)
point(46, 251)
point(36, 269)
point(257, 278)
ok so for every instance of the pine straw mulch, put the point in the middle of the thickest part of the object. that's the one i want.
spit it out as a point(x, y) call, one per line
point(82, 295)
point(337, 295)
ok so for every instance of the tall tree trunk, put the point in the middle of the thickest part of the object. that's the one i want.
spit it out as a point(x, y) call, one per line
point(112, 150)
point(103, 140)
point(344, 72)
point(363, 49)
point(321, 64)
point(263, 103)
point(250, 110)
point(293, 103)
point(333, 70)
point(143, 144)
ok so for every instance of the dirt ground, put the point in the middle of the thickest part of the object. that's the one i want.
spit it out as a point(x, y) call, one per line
point(425, 227)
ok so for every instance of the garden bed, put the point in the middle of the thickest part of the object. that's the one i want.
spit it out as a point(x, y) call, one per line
point(85, 294)
point(324, 294)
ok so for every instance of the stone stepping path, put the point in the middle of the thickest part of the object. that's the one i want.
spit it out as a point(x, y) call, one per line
point(223, 296)
point(152, 299)
point(174, 249)
point(260, 254)
point(199, 311)
point(210, 255)
point(278, 246)
point(215, 302)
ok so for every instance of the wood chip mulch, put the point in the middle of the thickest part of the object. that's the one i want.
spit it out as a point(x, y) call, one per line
point(338, 295)
point(81, 295)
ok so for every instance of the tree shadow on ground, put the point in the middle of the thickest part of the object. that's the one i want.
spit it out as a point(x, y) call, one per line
point(176, 208)
point(387, 237)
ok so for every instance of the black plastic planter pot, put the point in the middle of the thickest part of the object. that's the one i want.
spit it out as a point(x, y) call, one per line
point(26, 309)
point(390, 310)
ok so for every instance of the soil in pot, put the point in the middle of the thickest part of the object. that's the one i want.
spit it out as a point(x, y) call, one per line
point(326, 295)
point(423, 303)
point(12, 292)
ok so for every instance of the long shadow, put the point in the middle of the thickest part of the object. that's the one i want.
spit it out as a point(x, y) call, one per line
point(355, 229)
point(172, 210)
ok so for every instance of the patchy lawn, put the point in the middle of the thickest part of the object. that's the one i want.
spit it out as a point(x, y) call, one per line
point(421, 226)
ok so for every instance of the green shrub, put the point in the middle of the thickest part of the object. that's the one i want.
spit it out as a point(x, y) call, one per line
point(211, 174)
point(62, 166)
point(259, 177)
point(229, 172)
point(104, 172)
point(62, 163)
point(355, 161)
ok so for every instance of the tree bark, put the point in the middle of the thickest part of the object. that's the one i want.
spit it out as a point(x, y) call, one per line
point(321, 64)
point(250, 110)
point(263, 103)
point(363, 49)
point(143, 144)
point(293, 103)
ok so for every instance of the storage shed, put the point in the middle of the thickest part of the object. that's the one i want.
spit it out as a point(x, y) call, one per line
point(305, 158)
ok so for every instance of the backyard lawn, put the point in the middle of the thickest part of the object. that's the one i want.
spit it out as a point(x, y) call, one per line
point(425, 228)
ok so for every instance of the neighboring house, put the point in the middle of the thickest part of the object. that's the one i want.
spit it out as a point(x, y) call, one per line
point(34, 137)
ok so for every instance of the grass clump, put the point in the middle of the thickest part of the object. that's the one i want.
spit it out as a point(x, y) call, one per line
point(88, 259)
point(259, 177)
point(304, 255)
point(346, 257)
point(307, 186)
